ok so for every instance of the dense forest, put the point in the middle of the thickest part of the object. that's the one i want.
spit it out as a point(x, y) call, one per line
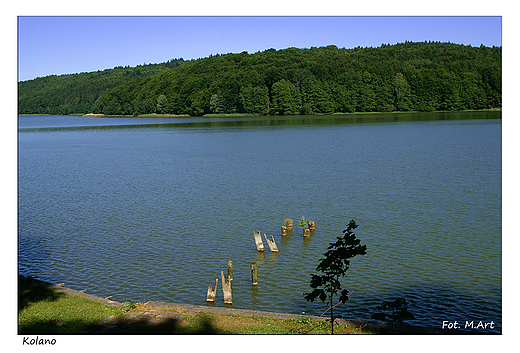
point(425, 76)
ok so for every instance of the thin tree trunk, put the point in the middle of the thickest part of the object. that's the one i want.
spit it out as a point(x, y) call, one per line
point(331, 316)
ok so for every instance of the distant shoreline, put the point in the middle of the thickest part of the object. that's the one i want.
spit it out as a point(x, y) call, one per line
point(239, 115)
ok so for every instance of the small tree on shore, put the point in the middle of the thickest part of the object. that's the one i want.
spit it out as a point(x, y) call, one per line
point(333, 266)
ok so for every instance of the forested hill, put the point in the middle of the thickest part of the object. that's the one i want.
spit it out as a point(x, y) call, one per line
point(424, 76)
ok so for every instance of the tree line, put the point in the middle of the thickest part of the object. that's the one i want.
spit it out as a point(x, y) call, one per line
point(425, 76)
point(77, 93)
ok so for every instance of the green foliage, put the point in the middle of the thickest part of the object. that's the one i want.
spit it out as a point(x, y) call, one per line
point(286, 98)
point(129, 306)
point(423, 76)
point(333, 266)
point(316, 97)
point(303, 223)
point(398, 312)
point(42, 310)
point(82, 93)
point(254, 100)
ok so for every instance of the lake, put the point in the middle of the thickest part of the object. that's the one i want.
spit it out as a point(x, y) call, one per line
point(153, 208)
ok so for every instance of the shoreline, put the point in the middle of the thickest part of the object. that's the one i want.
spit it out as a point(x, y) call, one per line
point(245, 115)
point(404, 329)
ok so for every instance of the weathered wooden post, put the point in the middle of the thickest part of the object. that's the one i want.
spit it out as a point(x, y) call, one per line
point(258, 240)
point(226, 289)
point(289, 223)
point(284, 230)
point(212, 293)
point(305, 227)
point(311, 225)
point(254, 275)
point(271, 243)
point(230, 270)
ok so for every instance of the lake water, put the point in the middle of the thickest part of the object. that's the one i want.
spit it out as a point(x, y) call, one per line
point(153, 208)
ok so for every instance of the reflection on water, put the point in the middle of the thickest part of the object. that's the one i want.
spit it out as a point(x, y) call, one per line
point(260, 258)
point(65, 122)
point(156, 211)
point(254, 295)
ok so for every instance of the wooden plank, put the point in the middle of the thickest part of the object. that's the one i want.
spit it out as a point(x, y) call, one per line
point(271, 243)
point(258, 240)
point(226, 289)
point(212, 292)
point(230, 270)
point(254, 275)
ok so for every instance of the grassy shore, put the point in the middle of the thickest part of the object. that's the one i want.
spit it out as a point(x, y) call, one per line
point(43, 310)
point(218, 323)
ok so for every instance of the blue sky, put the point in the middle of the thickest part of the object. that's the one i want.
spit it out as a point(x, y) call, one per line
point(61, 45)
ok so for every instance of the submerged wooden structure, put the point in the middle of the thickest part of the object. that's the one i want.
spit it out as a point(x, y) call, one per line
point(254, 274)
point(212, 292)
point(230, 270)
point(258, 240)
point(271, 243)
point(226, 289)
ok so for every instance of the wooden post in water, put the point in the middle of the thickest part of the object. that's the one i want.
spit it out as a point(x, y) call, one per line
point(254, 275)
point(271, 243)
point(230, 270)
point(226, 289)
point(212, 293)
point(258, 240)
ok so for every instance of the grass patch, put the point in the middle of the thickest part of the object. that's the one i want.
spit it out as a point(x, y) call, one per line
point(257, 325)
point(42, 310)
point(45, 311)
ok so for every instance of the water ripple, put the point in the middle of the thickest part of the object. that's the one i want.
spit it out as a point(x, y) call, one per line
point(156, 213)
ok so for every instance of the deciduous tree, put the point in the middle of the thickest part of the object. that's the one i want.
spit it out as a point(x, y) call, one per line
point(334, 266)
point(286, 98)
